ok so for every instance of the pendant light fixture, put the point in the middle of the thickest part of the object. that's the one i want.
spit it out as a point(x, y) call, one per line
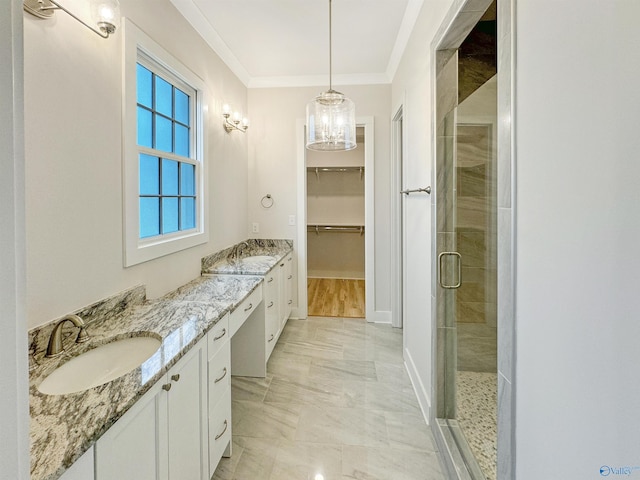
point(331, 117)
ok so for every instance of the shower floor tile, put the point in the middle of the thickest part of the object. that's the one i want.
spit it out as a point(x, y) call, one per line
point(476, 400)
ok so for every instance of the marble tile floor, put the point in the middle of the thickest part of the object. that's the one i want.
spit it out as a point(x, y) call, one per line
point(337, 402)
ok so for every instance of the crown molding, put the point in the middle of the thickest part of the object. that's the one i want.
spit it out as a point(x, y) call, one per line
point(319, 80)
point(406, 27)
point(196, 18)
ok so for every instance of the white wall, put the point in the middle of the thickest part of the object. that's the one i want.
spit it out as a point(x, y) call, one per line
point(411, 89)
point(14, 405)
point(578, 231)
point(74, 161)
point(274, 113)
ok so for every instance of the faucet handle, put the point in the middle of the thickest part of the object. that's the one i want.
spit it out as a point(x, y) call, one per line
point(83, 336)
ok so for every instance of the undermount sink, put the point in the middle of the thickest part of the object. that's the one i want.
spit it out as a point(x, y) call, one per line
point(257, 258)
point(100, 365)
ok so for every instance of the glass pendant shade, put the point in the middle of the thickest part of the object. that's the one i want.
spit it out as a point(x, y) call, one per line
point(331, 122)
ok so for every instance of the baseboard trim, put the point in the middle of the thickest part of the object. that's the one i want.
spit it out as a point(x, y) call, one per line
point(418, 387)
point(382, 316)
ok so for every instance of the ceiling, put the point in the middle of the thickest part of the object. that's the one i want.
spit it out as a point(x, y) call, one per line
point(280, 43)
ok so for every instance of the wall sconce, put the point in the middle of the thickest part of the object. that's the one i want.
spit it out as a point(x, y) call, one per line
point(105, 14)
point(235, 123)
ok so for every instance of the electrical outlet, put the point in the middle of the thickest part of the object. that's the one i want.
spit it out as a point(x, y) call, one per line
point(256, 227)
point(292, 219)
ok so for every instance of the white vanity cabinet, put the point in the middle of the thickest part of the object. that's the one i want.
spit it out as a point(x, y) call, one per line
point(272, 281)
point(278, 299)
point(219, 398)
point(286, 298)
point(164, 435)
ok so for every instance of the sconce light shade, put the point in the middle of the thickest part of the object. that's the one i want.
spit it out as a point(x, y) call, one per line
point(331, 122)
point(105, 14)
point(237, 122)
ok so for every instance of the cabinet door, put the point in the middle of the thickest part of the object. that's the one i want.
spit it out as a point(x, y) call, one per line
point(134, 448)
point(82, 469)
point(187, 418)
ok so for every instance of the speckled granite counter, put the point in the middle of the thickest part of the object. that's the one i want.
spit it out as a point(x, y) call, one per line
point(253, 257)
point(63, 427)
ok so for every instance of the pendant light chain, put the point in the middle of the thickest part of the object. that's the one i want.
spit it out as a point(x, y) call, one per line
point(330, 53)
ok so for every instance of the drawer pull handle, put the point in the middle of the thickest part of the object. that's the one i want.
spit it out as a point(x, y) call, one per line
point(270, 280)
point(289, 259)
point(272, 337)
point(175, 377)
point(224, 332)
point(290, 302)
point(224, 374)
point(249, 307)
point(282, 264)
point(226, 424)
point(270, 305)
point(166, 386)
point(289, 277)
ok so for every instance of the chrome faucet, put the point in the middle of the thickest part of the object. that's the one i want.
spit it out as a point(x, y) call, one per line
point(55, 346)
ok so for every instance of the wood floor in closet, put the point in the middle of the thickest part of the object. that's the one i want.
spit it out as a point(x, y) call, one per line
point(336, 297)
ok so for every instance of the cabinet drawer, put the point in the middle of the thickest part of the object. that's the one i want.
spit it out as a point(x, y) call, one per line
point(240, 314)
point(219, 374)
point(218, 336)
point(219, 431)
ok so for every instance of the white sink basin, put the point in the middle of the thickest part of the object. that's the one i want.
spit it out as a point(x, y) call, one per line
point(100, 365)
point(257, 258)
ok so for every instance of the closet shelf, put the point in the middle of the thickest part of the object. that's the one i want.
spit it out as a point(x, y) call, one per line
point(336, 228)
point(317, 170)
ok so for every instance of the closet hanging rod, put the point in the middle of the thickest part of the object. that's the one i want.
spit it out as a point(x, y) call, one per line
point(336, 228)
point(335, 169)
point(317, 170)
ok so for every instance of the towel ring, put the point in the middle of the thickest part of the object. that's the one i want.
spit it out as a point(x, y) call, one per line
point(267, 201)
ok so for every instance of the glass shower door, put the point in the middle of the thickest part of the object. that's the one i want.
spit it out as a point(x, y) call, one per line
point(465, 289)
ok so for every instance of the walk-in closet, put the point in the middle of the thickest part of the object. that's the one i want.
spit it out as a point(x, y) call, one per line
point(336, 232)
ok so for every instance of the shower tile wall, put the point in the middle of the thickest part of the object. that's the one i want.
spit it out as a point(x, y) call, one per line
point(475, 239)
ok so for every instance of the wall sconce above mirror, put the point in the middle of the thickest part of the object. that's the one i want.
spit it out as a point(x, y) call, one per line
point(105, 14)
point(237, 122)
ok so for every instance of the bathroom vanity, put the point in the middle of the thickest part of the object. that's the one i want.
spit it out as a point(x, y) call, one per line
point(169, 418)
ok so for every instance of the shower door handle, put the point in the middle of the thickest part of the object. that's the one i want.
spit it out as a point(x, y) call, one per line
point(459, 258)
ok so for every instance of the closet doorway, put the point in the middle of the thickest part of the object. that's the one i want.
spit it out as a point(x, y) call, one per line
point(335, 232)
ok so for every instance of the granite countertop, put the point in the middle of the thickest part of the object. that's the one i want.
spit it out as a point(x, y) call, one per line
point(253, 257)
point(63, 427)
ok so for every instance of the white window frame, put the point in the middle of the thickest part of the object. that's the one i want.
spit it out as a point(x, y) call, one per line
point(137, 44)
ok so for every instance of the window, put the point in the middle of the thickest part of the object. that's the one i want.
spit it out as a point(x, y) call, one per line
point(167, 185)
point(163, 152)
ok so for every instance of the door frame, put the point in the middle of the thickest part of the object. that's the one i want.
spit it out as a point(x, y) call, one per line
point(398, 142)
point(369, 217)
point(461, 17)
